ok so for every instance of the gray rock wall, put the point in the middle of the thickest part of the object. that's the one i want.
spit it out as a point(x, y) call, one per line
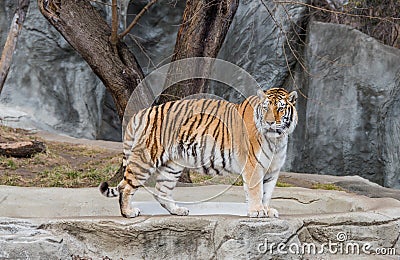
point(257, 39)
point(6, 15)
point(153, 39)
point(51, 84)
point(349, 122)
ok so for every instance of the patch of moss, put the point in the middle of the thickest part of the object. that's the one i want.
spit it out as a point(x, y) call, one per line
point(326, 186)
point(283, 184)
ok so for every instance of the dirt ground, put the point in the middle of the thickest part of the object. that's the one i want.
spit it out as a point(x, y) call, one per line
point(62, 165)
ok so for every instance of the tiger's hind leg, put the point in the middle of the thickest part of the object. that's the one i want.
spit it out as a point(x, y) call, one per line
point(133, 179)
point(126, 191)
point(166, 181)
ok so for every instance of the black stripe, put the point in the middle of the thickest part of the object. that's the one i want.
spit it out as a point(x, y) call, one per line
point(133, 186)
point(162, 114)
point(143, 159)
point(212, 113)
point(270, 178)
point(233, 122)
point(213, 167)
point(215, 135)
point(139, 167)
point(252, 149)
point(244, 108)
point(167, 187)
point(160, 160)
point(177, 119)
point(203, 145)
point(172, 171)
point(222, 147)
point(190, 130)
point(148, 121)
point(166, 129)
point(262, 149)
point(153, 136)
point(143, 134)
point(270, 147)
point(204, 109)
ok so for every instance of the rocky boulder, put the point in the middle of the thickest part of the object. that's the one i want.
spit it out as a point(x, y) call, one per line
point(349, 122)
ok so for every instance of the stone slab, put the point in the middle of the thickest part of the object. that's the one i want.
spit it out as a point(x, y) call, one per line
point(57, 223)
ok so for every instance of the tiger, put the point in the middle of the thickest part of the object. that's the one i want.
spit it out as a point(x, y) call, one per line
point(210, 136)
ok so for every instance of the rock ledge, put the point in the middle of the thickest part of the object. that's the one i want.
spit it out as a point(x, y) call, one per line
point(79, 222)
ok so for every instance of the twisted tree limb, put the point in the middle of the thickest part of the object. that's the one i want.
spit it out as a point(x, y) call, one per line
point(12, 39)
point(204, 26)
point(89, 34)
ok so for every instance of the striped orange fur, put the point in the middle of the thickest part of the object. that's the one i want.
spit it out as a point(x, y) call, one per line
point(210, 136)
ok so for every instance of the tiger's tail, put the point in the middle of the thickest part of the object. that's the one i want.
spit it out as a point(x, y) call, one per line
point(107, 191)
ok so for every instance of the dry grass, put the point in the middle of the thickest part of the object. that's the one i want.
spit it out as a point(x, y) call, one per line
point(62, 165)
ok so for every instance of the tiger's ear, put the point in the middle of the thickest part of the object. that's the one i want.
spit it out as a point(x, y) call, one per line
point(260, 93)
point(293, 97)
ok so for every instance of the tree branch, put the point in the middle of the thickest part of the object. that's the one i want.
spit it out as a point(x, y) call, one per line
point(137, 18)
point(202, 32)
point(334, 11)
point(114, 23)
point(89, 34)
point(12, 38)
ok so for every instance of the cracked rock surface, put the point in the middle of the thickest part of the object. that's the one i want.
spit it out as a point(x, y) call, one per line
point(55, 223)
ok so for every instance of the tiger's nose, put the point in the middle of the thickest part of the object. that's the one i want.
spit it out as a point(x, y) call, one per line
point(269, 123)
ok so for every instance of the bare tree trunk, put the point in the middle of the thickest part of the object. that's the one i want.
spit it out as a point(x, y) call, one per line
point(204, 26)
point(90, 35)
point(12, 38)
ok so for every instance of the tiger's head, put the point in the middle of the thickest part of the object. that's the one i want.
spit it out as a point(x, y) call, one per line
point(277, 113)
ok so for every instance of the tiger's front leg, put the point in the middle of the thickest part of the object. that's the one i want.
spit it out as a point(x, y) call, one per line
point(253, 187)
point(269, 182)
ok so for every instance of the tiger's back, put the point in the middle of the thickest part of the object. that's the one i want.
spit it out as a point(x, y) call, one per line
point(190, 132)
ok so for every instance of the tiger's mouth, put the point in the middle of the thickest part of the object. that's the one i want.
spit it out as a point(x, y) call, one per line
point(278, 130)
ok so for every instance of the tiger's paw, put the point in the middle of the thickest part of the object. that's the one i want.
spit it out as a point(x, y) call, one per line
point(131, 213)
point(271, 212)
point(257, 213)
point(180, 211)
